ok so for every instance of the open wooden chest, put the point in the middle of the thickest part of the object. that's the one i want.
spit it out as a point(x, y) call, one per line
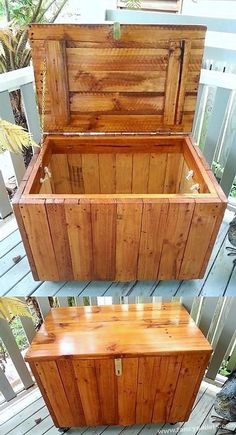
point(118, 191)
point(119, 364)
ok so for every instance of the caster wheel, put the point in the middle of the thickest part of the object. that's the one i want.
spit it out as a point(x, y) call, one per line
point(172, 424)
point(63, 429)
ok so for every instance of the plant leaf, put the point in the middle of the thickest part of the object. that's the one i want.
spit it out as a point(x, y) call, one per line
point(11, 307)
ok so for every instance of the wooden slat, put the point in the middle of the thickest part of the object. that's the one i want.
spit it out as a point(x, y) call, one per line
point(127, 391)
point(140, 176)
point(67, 375)
point(49, 376)
point(146, 390)
point(165, 382)
point(189, 379)
point(152, 236)
point(124, 165)
point(85, 373)
point(116, 81)
point(90, 167)
point(5, 387)
point(107, 172)
point(129, 217)
point(57, 223)
point(186, 47)
point(57, 82)
point(103, 221)
point(60, 173)
point(177, 228)
point(157, 171)
point(107, 390)
point(172, 83)
point(37, 228)
point(76, 173)
point(201, 238)
point(173, 173)
point(78, 218)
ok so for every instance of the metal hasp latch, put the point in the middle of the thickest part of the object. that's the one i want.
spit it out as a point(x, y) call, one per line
point(118, 366)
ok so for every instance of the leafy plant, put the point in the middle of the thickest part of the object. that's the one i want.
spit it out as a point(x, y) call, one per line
point(133, 4)
point(13, 137)
point(11, 307)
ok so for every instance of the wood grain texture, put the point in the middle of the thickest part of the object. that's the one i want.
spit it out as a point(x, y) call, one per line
point(162, 364)
point(145, 81)
point(36, 225)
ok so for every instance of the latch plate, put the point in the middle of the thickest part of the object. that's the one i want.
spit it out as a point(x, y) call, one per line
point(118, 366)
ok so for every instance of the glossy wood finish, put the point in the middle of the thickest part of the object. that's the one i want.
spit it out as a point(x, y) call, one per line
point(119, 207)
point(145, 81)
point(163, 357)
point(121, 211)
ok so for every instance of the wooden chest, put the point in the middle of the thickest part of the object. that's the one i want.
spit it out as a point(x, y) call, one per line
point(119, 364)
point(118, 190)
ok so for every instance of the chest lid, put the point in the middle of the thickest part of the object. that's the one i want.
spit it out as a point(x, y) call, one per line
point(145, 81)
point(117, 330)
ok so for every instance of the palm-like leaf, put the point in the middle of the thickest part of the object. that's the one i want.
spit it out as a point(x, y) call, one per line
point(11, 307)
point(13, 137)
point(133, 4)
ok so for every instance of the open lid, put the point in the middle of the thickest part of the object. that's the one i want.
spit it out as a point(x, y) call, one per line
point(147, 80)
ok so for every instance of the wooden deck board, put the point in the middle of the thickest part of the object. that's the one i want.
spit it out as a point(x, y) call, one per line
point(22, 421)
point(16, 279)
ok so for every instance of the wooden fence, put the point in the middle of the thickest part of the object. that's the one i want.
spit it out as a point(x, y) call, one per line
point(214, 316)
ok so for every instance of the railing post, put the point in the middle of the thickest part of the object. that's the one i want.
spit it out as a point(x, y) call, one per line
point(6, 113)
point(5, 205)
point(5, 387)
point(15, 354)
point(31, 110)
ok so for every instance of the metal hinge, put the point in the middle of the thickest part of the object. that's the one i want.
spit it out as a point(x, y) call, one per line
point(118, 366)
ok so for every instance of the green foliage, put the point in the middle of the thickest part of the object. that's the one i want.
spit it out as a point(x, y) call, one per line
point(223, 369)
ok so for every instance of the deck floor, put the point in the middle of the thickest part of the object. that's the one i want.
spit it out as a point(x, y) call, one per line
point(21, 417)
point(16, 279)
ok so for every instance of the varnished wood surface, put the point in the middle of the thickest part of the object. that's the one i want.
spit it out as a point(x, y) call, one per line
point(145, 81)
point(125, 210)
point(127, 330)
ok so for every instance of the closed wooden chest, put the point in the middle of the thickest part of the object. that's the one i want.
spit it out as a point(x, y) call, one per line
point(118, 191)
point(119, 364)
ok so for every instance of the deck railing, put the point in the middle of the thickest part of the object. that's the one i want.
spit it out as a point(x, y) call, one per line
point(214, 316)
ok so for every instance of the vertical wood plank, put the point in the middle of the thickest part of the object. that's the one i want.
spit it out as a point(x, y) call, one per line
point(177, 228)
point(124, 165)
point(152, 236)
point(60, 173)
point(172, 83)
point(5, 387)
point(91, 173)
point(107, 171)
point(186, 47)
point(199, 239)
point(75, 173)
point(78, 218)
point(166, 381)
point(107, 390)
point(190, 376)
point(173, 173)
point(49, 376)
point(103, 219)
point(57, 223)
point(67, 375)
point(129, 218)
point(141, 163)
point(157, 172)
point(127, 391)
point(148, 373)
point(88, 389)
point(36, 226)
point(57, 81)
